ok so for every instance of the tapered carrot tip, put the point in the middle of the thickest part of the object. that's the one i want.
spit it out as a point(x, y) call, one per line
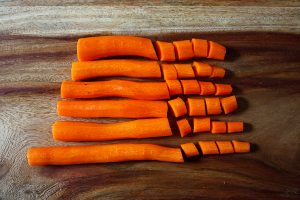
point(235, 127)
point(216, 51)
point(200, 47)
point(202, 69)
point(183, 49)
point(218, 127)
point(190, 86)
point(208, 147)
point(178, 107)
point(174, 87)
point(201, 125)
point(184, 127)
point(184, 70)
point(241, 147)
point(223, 89)
point(229, 104)
point(217, 72)
point(213, 106)
point(169, 71)
point(196, 107)
point(225, 147)
point(165, 51)
point(189, 150)
point(207, 88)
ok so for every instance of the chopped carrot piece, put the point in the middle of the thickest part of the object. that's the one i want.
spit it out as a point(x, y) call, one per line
point(229, 104)
point(190, 86)
point(202, 69)
point(241, 147)
point(184, 127)
point(196, 107)
point(184, 49)
point(223, 89)
point(235, 127)
point(184, 71)
point(165, 51)
point(208, 147)
point(169, 71)
point(216, 51)
point(201, 125)
point(200, 47)
point(213, 106)
point(178, 107)
point(225, 147)
point(218, 127)
point(217, 72)
point(174, 87)
point(207, 88)
point(190, 149)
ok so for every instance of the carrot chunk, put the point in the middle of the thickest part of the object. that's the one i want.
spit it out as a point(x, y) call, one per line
point(169, 71)
point(207, 88)
point(183, 49)
point(223, 89)
point(225, 147)
point(217, 72)
point(229, 104)
point(202, 69)
point(200, 47)
point(241, 147)
point(201, 125)
point(184, 127)
point(190, 86)
point(178, 107)
point(208, 147)
point(189, 149)
point(235, 127)
point(174, 87)
point(216, 51)
point(184, 71)
point(218, 127)
point(213, 106)
point(165, 51)
point(196, 107)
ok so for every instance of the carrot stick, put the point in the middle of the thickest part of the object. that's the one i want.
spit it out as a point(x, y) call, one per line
point(189, 149)
point(178, 107)
point(200, 47)
point(93, 48)
point(70, 155)
point(169, 71)
point(213, 106)
point(190, 86)
point(74, 131)
point(202, 69)
point(184, 71)
point(207, 88)
point(183, 49)
point(216, 51)
point(217, 72)
point(218, 127)
point(241, 147)
point(208, 147)
point(174, 87)
point(115, 88)
point(223, 89)
point(201, 125)
point(113, 108)
point(229, 104)
point(196, 107)
point(115, 67)
point(165, 51)
point(235, 127)
point(225, 147)
point(184, 127)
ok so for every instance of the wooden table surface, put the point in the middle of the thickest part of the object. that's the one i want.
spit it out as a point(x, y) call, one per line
point(38, 44)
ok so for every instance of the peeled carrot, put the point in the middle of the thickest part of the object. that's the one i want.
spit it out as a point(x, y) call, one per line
point(183, 49)
point(235, 127)
point(200, 47)
point(207, 88)
point(184, 127)
point(216, 51)
point(229, 104)
point(178, 107)
point(213, 106)
point(113, 108)
point(241, 147)
point(218, 127)
point(93, 48)
point(115, 88)
point(115, 67)
point(74, 131)
point(217, 72)
point(190, 86)
point(202, 69)
point(165, 51)
point(196, 107)
point(225, 147)
point(208, 147)
point(174, 87)
point(202, 124)
point(70, 155)
point(223, 89)
point(184, 70)
point(169, 71)
point(190, 150)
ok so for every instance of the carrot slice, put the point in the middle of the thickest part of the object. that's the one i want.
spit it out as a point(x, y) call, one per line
point(202, 69)
point(184, 127)
point(196, 107)
point(207, 88)
point(202, 125)
point(190, 86)
point(189, 150)
point(223, 89)
point(183, 49)
point(235, 127)
point(213, 106)
point(217, 72)
point(200, 47)
point(208, 147)
point(174, 87)
point(184, 71)
point(178, 107)
point(169, 71)
point(218, 127)
point(165, 51)
point(225, 147)
point(229, 104)
point(241, 147)
point(113, 108)
point(93, 48)
point(216, 51)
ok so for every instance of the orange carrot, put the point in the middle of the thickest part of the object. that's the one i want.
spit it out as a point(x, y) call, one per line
point(184, 127)
point(115, 88)
point(190, 86)
point(183, 49)
point(223, 89)
point(190, 150)
point(229, 104)
point(235, 127)
point(208, 147)
point(70, 155)
point(165, 51)
point(184, 70)
point(241, 147)
point(74, 131)
point(174, 87)
point(207, 88)
point(93, 48)
point(113, 108)
point(217, 72)
point(178, 107)
point(200, 47)
point(202, 69)
point(115, 67)
point(216, 51)
point(213, 106)
point(201, 125)
point(225, 147)
point(169, 71)
point(196, 107)
point(218, 127)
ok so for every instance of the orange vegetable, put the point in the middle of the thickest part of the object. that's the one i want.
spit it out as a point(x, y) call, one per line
point(190, 86)
point(235, 127)
point(208, 147)
point(217, 72)
point(201, 124)
point(115, 67)
point(241, 147)
point(216, 51)
point(183, 49)
point(74, 131)
point(178, 107)
point(229, 104)
point(174, 87)
point(93, 48)
point(115, 88)
point(213, 106)
point(223, 89)
point(207, 88)
point(184, 127)
point(218, 127)
point(200, 47)
point(69, 155)
point(225, 147)
point(165, 51)
point(202, 69)
point(190, 150)
point(169, 71)
point(113, 108)
point(184, 71)
point(196, 107)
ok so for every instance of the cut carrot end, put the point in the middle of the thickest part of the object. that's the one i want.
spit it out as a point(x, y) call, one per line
point(201, 125)
point(235, 127)
point(165, 51)
point(184, 70)
point(216, 51)
point(202, 69)
point(225, 147)
point(200, 47)
point(189, 149)
point(213, 106)
point(208, 147)
point(184, 127)
point(241, 147)
point(217, 72)
point(183, 49)
point(178, 107)
point(169, 71)
point(218, 127)
point(196, 107)
point(223, 89)
point(190, 86)
point(207, 88)
point(174, 87)
point(229, 104)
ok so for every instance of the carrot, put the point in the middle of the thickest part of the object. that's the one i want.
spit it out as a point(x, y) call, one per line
point(113, 108)
point(223, 89)
point(229, 104)
point(200, 47)
point(93, 48)
point(184, 127)
point(218, 127)
point(184, 71)
point(190, 150)
point(225, 147)
point(216, 51)
point(115, 88)
point(241, 147)
point(174, 87)
point(201, 124)
point(70, 155)
point(178, 107)
point(190, 86)
point(207, 88)
point(208, 147)
point(235, 127)
point(183, 49)
point(74, 131)
point(115, 67)
point(196, 107)
point(217, 72)
point(169, 71)
point(202, 69)
point(213, 106)
point(165, 51)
